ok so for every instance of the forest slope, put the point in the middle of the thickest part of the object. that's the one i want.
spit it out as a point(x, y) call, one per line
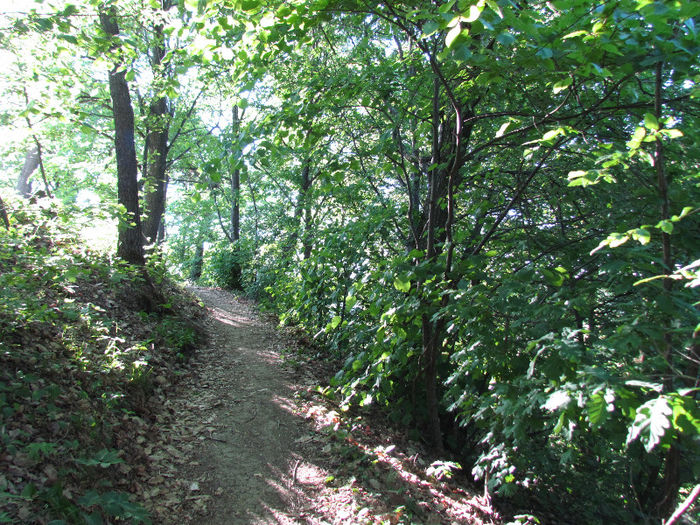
point(89, 348)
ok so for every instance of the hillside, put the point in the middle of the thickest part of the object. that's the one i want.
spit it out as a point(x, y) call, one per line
point(89, 350)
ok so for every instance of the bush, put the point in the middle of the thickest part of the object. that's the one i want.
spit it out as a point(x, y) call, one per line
point(225, 265)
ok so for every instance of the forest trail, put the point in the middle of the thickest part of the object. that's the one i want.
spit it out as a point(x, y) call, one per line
point(252, 462)
point(252, 444)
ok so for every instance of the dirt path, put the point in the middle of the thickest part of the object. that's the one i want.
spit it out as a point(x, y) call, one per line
point(252, 462)
point(246, 441)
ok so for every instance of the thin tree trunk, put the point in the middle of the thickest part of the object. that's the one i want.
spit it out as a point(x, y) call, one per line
point(37, 147)
point(3, 215)
point(255, 211)
point(305, 203)
point(236, 187)
point(130, 241)
point(196, 270)
point(432, 330)
point(671, 479)
point(156, 183)
point(31, 163)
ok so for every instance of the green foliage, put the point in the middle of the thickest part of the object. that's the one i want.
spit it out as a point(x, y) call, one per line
point(178, 335)
point(69, 370)
point(225, 266)
point(497, 202)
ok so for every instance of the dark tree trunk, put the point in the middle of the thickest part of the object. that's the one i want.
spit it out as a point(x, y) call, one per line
point(435, 216)
point(236, 188)
point(305, 206)
point(156, 183)
point(671, 479)
point(31, 163)
point(130, 242)
point(157, 148)
point(196, 270)
point(3, 214)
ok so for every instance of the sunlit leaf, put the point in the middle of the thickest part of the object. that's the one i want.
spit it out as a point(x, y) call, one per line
point(562, 85)
point(402, 284)
point(474, 13)
point(452, 35)
point(650, 423)
point(650, 122)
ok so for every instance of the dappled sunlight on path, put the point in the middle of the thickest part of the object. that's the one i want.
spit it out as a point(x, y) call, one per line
point(263, 447)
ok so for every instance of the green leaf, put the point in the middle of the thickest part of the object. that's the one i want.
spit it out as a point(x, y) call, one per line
point(672, 133)
point(430, 27)
point(650, 423)
point(103, 458)
point(505, 38)
point(617, 239)
point(402, 284)
point(650, 122)
point(474, 13)
point(641, 235)
point(666, 226)
point(545, 53)
point(250, 5)
point(553, 133)
point(576, 174)
point(495, 7)
point(562, 85)
point(596, 409)
point(574, 34)
point(637, 138)
point(335, 322)
point(656, 387)
point(553, 278)
point(452, 35)
point(502, 129)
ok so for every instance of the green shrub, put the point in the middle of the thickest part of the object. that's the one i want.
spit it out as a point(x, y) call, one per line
point(225, 265)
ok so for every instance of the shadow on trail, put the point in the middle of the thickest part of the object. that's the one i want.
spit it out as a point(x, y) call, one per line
point(275, 455)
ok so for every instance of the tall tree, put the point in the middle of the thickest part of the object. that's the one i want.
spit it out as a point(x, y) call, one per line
point(157, 145)
point(130, 242)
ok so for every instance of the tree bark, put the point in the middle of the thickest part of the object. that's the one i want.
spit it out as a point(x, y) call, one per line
point(156, 183)
point(31, 163)
point(157, 147)
point(305, 204)
point(130, 241)
point(196, 270)
point(671, 479)
point(236, 187)
point(3, 215)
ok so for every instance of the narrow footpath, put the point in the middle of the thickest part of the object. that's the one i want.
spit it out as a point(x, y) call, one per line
point(247, 440)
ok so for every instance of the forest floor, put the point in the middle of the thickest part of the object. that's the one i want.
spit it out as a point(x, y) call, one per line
point(247, 438)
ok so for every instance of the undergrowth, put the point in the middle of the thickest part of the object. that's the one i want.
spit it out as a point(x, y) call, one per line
point(79, 367)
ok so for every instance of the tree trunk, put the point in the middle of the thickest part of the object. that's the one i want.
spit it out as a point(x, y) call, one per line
point(671, 479)
point(130, 241)
point(31, 163)
point(196, 270)
point(156, 183)
point(161, 231)
point(3, 215)
point(157, 148)
point(236, 188)
point(305, 204)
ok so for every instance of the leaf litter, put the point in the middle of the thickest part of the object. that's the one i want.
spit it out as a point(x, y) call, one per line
point(254, 442)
